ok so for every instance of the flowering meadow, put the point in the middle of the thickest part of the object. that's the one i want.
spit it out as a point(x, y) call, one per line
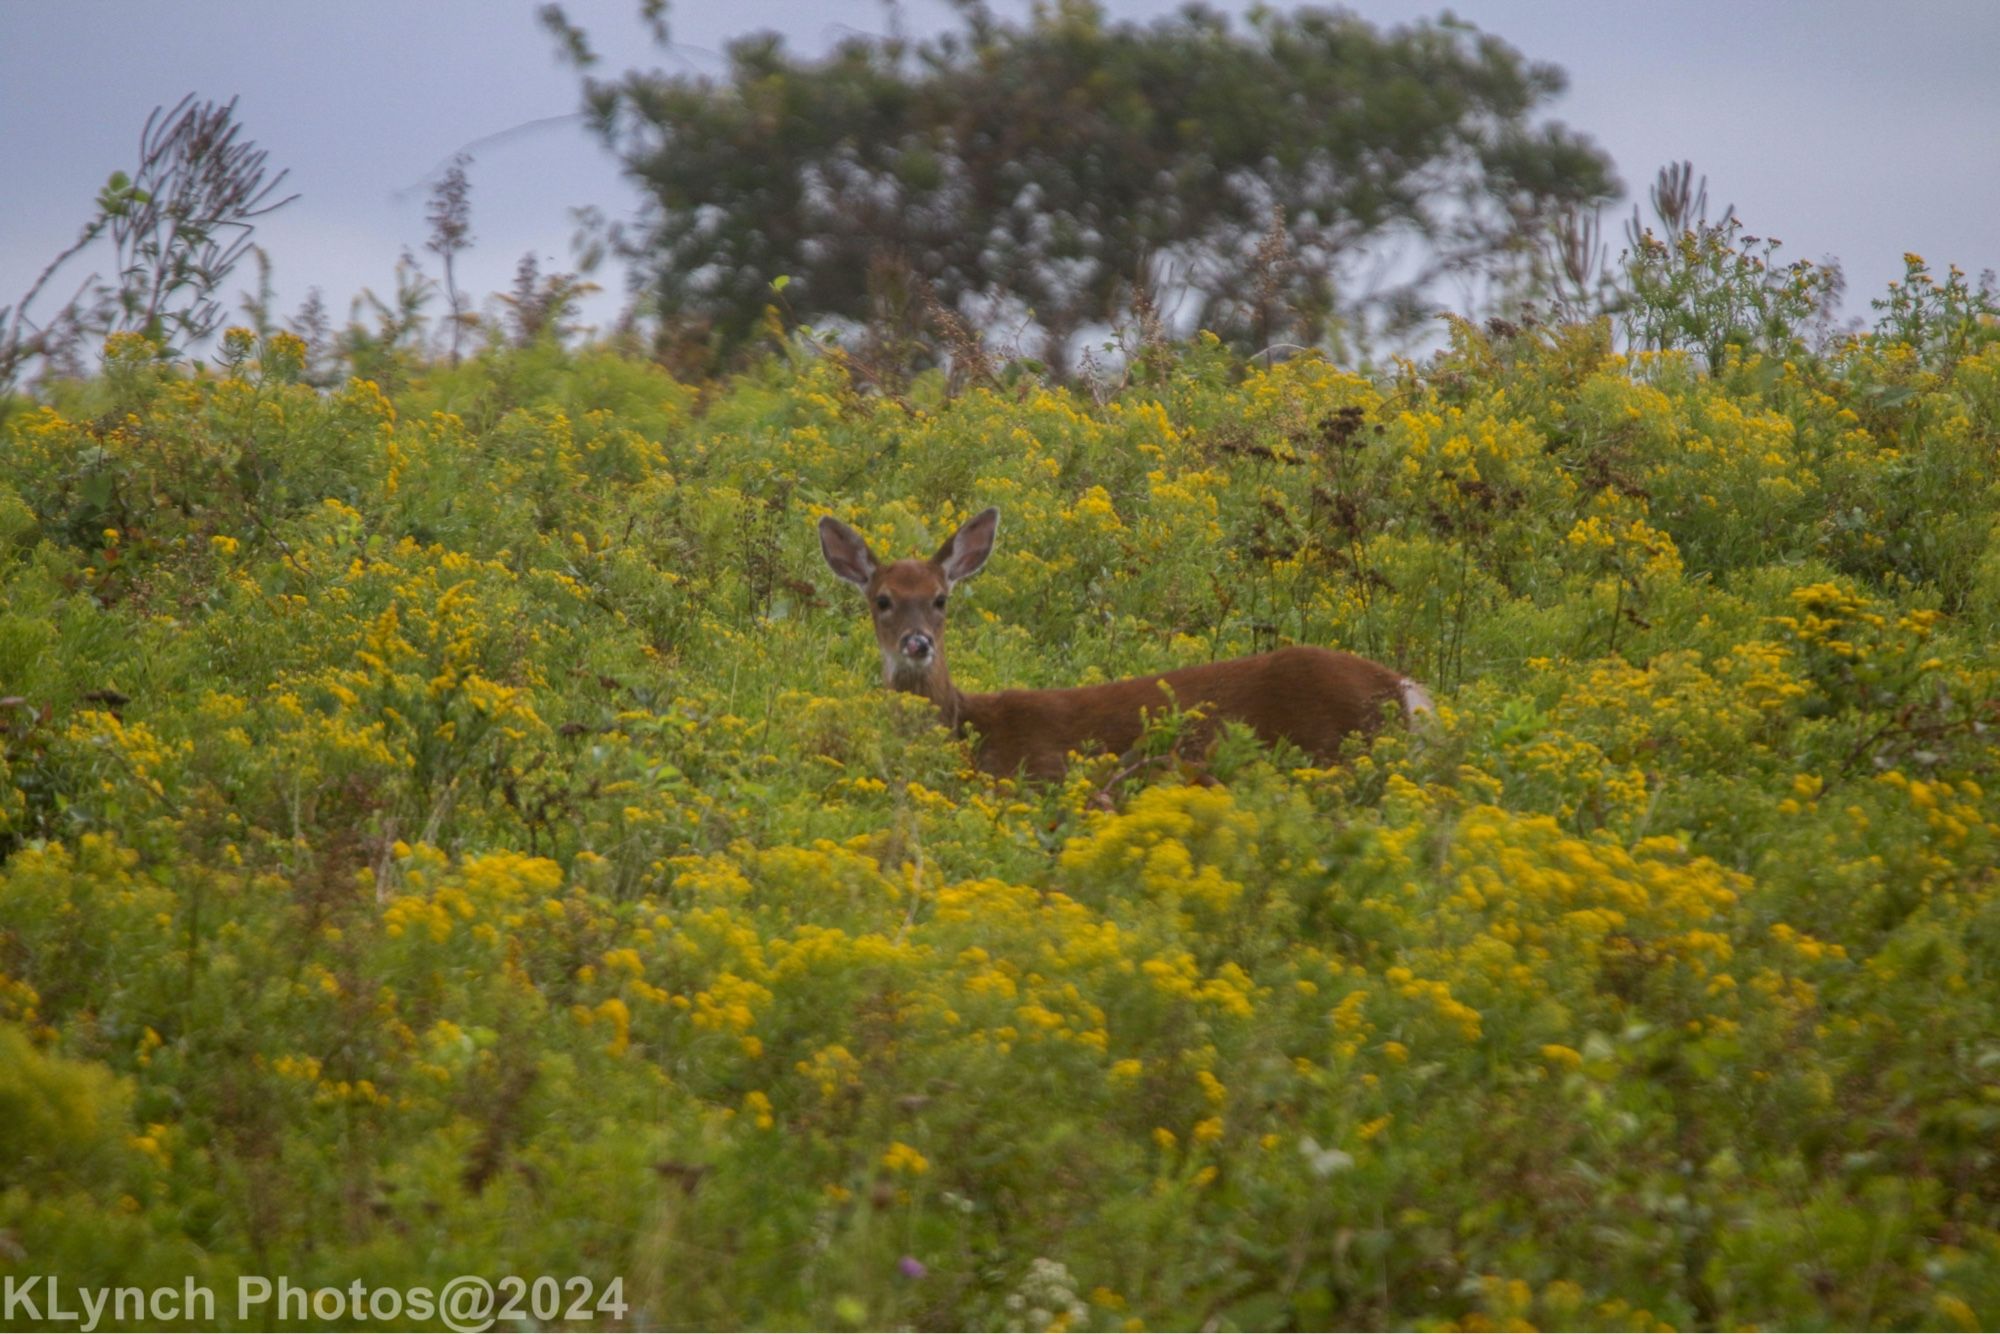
point(454, 825)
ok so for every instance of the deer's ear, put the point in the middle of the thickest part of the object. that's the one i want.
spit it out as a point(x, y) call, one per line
point(846, 552)
point(965, 551)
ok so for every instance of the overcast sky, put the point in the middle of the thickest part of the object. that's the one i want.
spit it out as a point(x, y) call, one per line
point(1847, 128)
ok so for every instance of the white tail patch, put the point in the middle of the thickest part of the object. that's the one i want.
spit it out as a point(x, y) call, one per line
point(1416, 699)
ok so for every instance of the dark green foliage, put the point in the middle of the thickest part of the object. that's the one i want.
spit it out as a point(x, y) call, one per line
point(1051, 168)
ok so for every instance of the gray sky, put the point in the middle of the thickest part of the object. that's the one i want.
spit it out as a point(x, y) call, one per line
point(1846, 128)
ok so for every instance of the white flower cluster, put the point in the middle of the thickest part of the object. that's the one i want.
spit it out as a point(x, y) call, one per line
point(1046, 1290)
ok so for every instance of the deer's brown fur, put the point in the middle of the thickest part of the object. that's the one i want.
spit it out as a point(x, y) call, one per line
point(1312, 697)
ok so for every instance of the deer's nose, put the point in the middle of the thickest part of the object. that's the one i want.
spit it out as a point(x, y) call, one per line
point(917, 646)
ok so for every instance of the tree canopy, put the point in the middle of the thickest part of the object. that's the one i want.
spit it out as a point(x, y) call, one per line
point(1296, 176)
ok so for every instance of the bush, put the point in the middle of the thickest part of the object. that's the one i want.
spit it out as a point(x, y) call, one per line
point(464, 832)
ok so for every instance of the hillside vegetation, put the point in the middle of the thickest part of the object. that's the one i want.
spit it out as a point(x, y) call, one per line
point(461, 830)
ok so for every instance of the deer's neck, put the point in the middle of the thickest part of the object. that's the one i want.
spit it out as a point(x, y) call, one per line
point(933, 682)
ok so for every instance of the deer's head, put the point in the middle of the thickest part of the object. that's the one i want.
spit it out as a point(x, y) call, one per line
point(907, 598)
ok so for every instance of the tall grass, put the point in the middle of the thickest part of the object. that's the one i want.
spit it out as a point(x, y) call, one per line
point(461, 832)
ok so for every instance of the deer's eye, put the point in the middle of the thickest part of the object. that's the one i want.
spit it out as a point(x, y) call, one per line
point(939, 604)
point(882, 602)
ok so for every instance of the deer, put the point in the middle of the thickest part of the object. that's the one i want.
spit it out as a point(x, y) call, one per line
point(1312, 697)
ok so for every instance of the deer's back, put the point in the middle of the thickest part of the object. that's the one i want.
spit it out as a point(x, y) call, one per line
point(1311, 697)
